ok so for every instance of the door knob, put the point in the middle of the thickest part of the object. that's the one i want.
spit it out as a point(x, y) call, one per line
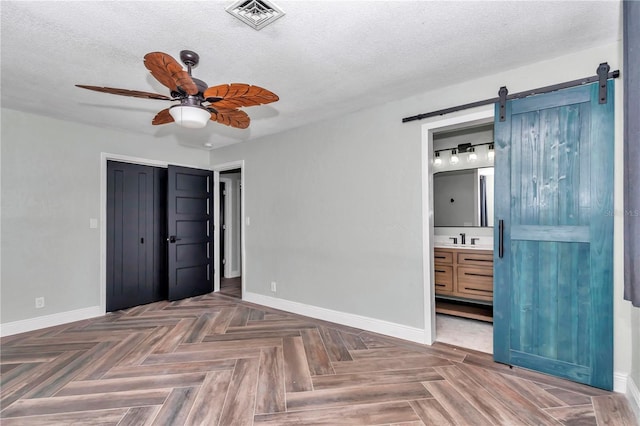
point(173, 239)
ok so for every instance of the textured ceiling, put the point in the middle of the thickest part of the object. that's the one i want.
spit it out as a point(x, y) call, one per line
point(324, 58)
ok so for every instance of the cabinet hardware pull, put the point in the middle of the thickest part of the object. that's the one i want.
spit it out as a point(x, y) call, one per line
point(477, 260)
point(479, 289)
point(475, 274)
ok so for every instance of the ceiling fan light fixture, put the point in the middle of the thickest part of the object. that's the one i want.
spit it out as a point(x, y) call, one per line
point(189, 116)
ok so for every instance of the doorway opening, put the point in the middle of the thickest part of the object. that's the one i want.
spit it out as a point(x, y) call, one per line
point(230, 218)
point(229, 231)
point(458, 230)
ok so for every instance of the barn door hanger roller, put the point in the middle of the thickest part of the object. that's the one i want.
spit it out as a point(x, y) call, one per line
point(602, 76)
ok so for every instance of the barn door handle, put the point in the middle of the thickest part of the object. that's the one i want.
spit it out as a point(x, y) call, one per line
point(501, 238)
point(173, 239)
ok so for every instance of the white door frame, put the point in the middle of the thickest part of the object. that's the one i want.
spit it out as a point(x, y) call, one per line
point(227, 210)
point(480, 115)
point(216, 221)
point(104, 157)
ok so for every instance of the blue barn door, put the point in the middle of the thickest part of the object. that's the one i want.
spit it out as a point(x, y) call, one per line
point(553, 300)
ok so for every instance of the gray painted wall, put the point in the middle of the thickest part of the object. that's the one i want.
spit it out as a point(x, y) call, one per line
point(50, 190)
point(324, 213)
point(336, 211)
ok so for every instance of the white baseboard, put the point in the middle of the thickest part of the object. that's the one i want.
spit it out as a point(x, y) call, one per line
point(620, 382)
point(352, 320)
point(45, 321)
point(633, 394)
point(232, 274)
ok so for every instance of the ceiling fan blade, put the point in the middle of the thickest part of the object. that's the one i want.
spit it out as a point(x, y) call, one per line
point(169, 72)
point(163, 117)
point(230, 117)
point(125, 92)
point(236, 95)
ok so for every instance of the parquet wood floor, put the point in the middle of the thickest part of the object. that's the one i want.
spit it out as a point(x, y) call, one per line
point(216, 360)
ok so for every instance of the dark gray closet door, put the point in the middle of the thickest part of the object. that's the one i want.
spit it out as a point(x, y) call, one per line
point(136, 227)
point(190, 219)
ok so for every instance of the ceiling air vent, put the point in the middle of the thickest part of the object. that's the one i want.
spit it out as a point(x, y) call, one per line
point(255, 13)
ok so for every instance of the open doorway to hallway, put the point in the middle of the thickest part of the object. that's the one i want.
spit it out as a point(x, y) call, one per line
point(230, 214)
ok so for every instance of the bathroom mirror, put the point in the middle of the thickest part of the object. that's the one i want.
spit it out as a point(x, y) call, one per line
point(463, 197)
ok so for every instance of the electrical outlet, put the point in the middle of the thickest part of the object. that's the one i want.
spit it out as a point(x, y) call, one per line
point(39, 302)
point(273, 286)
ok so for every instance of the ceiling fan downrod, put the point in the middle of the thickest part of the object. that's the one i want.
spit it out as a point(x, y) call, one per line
point(190, 59)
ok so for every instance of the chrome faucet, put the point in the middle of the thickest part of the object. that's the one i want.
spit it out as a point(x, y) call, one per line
point(462, 238)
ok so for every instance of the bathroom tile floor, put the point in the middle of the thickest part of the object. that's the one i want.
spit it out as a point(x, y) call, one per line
point(466, 333)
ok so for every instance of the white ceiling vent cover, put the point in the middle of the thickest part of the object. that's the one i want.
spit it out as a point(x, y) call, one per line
point(255, 13)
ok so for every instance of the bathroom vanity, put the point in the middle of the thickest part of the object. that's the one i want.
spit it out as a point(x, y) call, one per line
point(464, 282)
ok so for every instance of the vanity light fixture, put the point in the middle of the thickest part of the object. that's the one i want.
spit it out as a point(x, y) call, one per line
point(454, 157)
point(465, 150)
point(437, 161)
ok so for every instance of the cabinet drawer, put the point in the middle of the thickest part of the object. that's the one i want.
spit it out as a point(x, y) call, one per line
point(441, 256)
point(480, 259)
point(475, 282)
point(443, 279)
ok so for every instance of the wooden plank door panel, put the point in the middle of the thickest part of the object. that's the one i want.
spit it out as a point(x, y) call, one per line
point(554, 186)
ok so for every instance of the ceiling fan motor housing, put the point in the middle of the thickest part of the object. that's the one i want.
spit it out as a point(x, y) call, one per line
point(201, 85)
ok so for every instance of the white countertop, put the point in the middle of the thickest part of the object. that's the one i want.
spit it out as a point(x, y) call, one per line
point(463, 246)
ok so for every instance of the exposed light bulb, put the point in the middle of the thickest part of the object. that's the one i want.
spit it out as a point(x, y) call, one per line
point(454, 157)
point(492, 152)
point(472, 155)
point(437, 161)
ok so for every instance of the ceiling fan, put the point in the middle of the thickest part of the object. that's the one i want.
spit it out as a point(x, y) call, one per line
point(198, 104)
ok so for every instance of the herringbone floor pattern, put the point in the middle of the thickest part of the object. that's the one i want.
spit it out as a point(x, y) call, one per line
point(215, 360)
